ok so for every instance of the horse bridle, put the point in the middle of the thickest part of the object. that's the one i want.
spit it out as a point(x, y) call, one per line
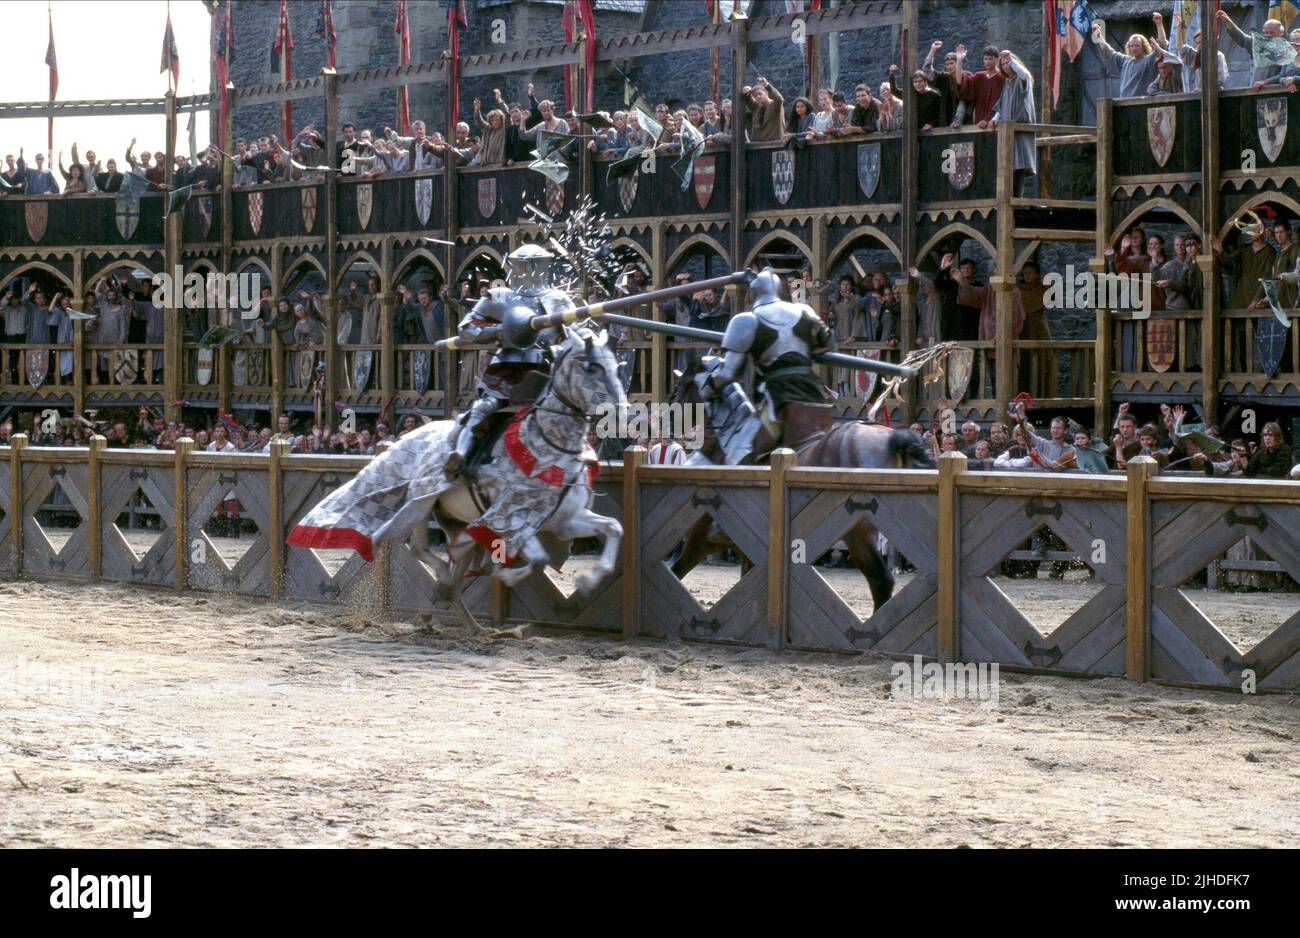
point(571, 408)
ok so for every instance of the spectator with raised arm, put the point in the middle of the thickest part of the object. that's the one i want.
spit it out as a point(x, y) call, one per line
point(946, 81)
point(766, 111)
point(1190, 55)
point(1136, 67)
point(1260, 75)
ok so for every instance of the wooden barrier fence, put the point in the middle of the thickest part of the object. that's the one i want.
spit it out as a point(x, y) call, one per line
point(1142, 536)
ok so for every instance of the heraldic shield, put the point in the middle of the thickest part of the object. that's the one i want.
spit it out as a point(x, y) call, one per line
point(424, 199)
point(1270, 343)
point(960, 363)
point(203, 211)
point(37, 216)
point(38, 366)
point(962, 170)
point(365, 201)
point(868, 169)
point(128, 215)
point(627, 190)
point(706, 173)
point(554, 196)
point(783, 174)
point(1162, 334)
point(308, 208)
point(487, 196)
point(1270, 121)
point(1162, 123)
point(255, 205)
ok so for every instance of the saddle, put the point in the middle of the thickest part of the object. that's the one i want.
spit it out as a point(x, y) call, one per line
point(801, 423)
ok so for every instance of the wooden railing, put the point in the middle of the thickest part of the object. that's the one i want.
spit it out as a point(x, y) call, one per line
point(1143, 538)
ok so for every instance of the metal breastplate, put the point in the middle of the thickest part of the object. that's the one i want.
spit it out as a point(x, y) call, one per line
point(782, 330)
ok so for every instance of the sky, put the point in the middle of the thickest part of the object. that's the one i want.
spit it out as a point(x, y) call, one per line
point(106, 49)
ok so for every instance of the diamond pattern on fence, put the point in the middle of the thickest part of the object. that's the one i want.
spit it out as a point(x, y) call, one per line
point(668, 608)
point(1185, 644)
point(992, 628)
point(205, 489)
point(40, 482)
point(119, 561)
point(413, 589)
point(305, 576)
point(541, 599)
point(818, 617)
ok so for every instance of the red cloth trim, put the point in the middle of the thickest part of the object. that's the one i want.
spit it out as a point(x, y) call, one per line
point(488, 540)
point(523, 457)
point(518, 452)
point(593, 470)
point(309, 536)
point(552, 476)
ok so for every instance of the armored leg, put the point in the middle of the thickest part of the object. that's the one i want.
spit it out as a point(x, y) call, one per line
point(483, 408)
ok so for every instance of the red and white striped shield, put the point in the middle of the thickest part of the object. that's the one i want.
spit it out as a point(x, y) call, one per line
point(255, 211)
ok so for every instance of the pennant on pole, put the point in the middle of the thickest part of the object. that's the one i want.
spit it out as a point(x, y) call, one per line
point(282, 62)
point(327, 30)
point(456, 18)
point(587, 17)
point(221, 58)
point(53, 62)
point(403, 30)
point(176, 200)
point(171, 57)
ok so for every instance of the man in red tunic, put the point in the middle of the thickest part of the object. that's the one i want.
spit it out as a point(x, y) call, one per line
point(980, 91)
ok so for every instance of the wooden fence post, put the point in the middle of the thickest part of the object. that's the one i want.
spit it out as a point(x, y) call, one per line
point(275, 515)
point(180, 529)
point(1137, 642)
point(778, 548)
point(17, 516)
point(951, 465)
point(633, 459)
point(95, 523)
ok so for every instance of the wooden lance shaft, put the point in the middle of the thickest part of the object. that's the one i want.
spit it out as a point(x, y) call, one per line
point(622, 302)
point(838, 359)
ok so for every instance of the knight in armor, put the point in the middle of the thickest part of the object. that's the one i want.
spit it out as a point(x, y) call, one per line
point(782, 338)
point(522, 358)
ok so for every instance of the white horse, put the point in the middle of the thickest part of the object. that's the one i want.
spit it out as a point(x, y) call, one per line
point(532, 496)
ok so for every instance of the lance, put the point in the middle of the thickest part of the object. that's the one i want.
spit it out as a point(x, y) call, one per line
point(603, 312)
point(620, 302)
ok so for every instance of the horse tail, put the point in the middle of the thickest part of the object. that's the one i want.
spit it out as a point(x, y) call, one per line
point(909, 449)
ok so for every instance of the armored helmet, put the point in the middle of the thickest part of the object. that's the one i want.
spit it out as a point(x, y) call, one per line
point(765, 287)
point(528, 269)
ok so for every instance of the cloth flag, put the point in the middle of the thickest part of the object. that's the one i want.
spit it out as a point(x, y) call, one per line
point(1284, 11)
point(222, 55)
point(53, 62)
point(176, 200)
point(403, 30)
point(282, 62)
point(171, 57)
point(692, 143)
point(327, 30)
point(1271, 50)
point(456, 18)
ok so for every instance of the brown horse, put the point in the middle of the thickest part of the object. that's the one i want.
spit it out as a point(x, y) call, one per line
point(845, 445)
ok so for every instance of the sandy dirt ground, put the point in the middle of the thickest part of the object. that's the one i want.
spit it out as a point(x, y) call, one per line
point(142, 718)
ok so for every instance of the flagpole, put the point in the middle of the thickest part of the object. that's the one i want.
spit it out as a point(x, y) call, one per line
point(49, 143)
point(1049, 48)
